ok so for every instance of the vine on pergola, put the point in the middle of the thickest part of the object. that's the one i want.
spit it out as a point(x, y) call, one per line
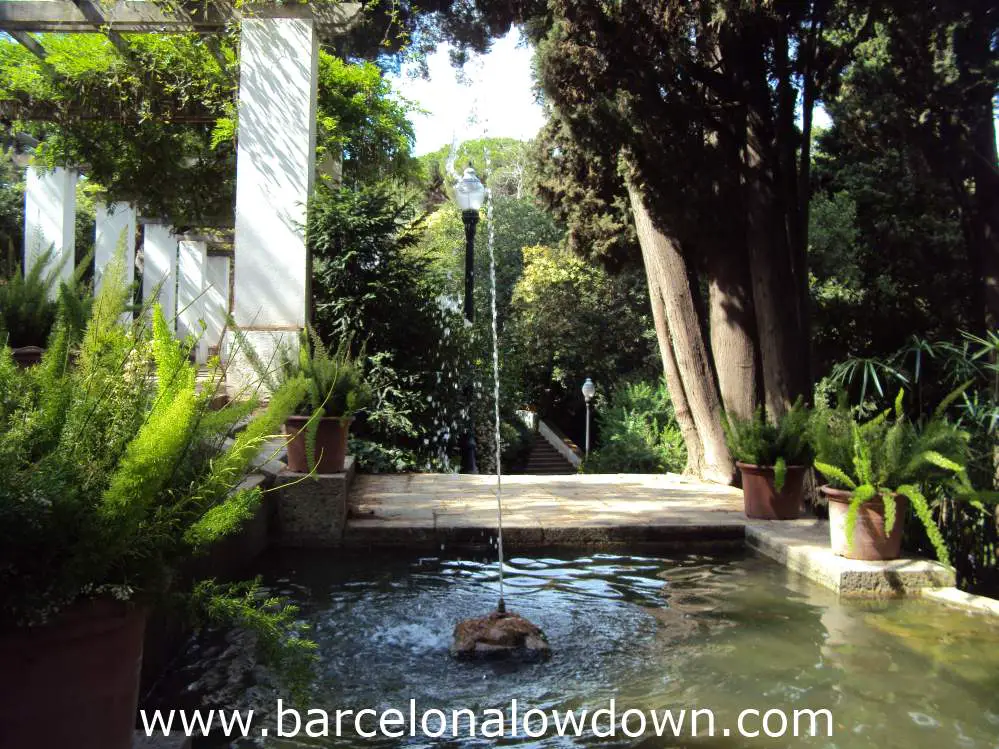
point(159, 128)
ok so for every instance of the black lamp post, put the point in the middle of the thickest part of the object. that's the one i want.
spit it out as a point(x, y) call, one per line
point(469, 194)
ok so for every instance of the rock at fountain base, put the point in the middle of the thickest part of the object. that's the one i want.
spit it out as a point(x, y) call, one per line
point(499, 636)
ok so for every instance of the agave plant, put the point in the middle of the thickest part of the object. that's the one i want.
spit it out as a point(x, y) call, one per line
point(890, 456)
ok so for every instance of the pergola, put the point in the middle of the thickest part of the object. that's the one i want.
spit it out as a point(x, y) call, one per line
point(275, 157)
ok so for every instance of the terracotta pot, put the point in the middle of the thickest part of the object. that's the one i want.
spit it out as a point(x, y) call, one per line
point(27, 356)
point(763, 501)
point(870, 542)
point(75, 681)
point(331, 444)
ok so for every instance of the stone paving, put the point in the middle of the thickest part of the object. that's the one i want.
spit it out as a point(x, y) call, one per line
point(541, 510)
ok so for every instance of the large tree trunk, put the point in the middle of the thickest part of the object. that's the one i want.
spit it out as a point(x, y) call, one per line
point(776, 294)
point(667, 269)
point(695, 450)
point(732, 331)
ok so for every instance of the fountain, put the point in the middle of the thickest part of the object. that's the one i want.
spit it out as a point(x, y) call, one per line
point(499, 634)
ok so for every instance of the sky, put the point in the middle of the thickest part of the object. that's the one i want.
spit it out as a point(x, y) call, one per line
point(496, 100)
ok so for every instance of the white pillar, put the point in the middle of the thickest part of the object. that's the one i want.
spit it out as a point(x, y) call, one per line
point(114, 223)
point(159, 268)
point(192, 267)
point(50, 220)
point(275, 167)
point(216, 299)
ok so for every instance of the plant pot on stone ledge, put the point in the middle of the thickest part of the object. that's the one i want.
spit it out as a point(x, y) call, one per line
point(331, 444)
point(762, 499)
point(73, 682)
point(870, 542)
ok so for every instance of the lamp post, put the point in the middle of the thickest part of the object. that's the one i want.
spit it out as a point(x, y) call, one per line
point(469, 194)
point(589, 390)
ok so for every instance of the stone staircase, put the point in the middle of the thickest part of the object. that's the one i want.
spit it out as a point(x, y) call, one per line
point(545, 460)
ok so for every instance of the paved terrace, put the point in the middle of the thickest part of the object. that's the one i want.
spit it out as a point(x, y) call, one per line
point(541, 510)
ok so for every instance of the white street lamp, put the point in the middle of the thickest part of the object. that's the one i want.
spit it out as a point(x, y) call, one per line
point(469, 194)
point(589, 390)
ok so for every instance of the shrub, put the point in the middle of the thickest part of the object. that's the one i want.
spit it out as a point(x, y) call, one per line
point(889, 455)
point(28, 306)
point(638, 433)
point(758, 442)
point(117, 471)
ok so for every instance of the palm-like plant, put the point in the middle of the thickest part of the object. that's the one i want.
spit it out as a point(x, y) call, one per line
point(890, 456)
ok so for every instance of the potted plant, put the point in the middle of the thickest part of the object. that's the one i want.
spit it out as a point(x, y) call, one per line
point(773, 460)
point(335, 390)
point(877, 469)
point(28, 307)
point(115, 475)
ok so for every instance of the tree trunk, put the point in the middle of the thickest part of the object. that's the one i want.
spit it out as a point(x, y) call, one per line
point(681, 409)
point(667, 269)
point(732, 330)
point(776, 295)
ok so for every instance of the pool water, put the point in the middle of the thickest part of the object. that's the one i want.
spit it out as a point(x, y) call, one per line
point(724, 633)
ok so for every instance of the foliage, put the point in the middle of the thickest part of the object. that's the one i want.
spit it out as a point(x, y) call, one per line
point(116, 472)
point(760, 442)
point(570, 320)
point(368, 280)
point(334, 378)
point(29, 306)
point(638, 433)
point(927, 370)
point(281, 639)
point(158, 128)
point(889, 455)
point(373, 457)
point(879, 220)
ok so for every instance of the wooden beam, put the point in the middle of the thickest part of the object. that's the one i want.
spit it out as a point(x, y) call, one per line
point(64, 16)
point(180, 16)
point(30, 43)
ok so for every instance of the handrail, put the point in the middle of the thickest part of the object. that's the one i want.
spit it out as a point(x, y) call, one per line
point(556, 440)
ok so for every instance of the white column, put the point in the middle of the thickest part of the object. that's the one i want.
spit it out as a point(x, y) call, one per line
point(216, 299)
point(159, 268)
point(50, 220)
point(275, 167)
point(192, 267)
point(114, 224)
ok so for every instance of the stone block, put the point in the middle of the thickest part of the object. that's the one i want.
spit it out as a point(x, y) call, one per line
point(803, 547)
point(312, 509)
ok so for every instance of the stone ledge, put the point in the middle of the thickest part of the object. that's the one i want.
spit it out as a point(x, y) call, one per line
point(958, 599)
point(312, 509)
point(803, 547)
point(376, 533)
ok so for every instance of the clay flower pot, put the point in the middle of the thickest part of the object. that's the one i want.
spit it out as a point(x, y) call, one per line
point(75, 681)
point(763, 501)
point(331, 444)
point(27, 356)
point(870, 542)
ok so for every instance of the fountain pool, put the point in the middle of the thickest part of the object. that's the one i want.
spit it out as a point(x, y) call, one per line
point(691, 631)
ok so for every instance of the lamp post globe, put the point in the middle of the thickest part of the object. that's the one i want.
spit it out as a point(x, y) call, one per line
point(589, 390)
point(469, 195)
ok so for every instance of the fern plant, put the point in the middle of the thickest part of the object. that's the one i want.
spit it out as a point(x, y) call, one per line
point(889, 456)
point(116, 470)
point(758, 442)
point(28, 301)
